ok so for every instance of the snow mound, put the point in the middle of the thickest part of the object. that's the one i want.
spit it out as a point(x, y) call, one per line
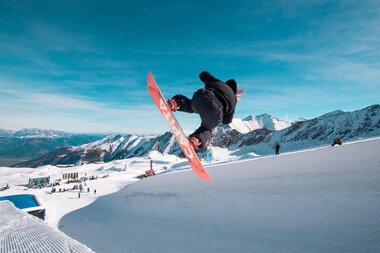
point(155, 155)
point(322, 200)
point(22, 232)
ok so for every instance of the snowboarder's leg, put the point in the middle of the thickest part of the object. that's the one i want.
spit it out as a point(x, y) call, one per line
point(203, 135)
point(210, 110)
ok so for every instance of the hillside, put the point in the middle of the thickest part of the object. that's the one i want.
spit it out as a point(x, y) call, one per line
point(27, 144)
point(311, 133)
point(249, 137)
point(321, 200)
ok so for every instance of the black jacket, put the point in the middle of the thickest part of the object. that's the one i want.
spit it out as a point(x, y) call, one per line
point(215, 104)
point(224, 91)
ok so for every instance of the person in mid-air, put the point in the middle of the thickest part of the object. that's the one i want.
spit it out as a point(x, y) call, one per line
point(215, 103)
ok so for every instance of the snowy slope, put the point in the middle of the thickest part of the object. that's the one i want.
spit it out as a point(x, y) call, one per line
point(321, 200)
point(22, 232)
point(112, 177)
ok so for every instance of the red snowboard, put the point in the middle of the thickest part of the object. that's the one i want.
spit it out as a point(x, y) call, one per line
point(176, 129)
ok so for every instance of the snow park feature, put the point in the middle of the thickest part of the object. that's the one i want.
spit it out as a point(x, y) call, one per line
point(28, 203)
point(319, 200)
point(21, 232)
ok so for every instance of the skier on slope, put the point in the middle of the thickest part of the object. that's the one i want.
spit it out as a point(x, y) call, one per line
point(215, 103)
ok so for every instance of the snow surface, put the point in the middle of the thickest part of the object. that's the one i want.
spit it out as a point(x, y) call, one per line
point(21, 232)
point(322, 200)
point(120, 173)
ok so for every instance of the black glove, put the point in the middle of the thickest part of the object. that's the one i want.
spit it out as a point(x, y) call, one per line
point(183, 103)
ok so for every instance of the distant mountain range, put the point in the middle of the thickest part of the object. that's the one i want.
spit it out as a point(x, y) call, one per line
point(254, 135)
point(315, 132)
point(33, 133)
point(27, 144)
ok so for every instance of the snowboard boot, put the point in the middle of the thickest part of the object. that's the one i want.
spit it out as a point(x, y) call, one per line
point(173, 104)
point(194, 142)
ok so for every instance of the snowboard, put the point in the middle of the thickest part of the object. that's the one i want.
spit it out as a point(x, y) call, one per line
point(176, 129)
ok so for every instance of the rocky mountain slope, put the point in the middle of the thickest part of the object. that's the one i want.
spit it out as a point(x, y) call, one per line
point(311, 133)
point(236, 137)
point(27, 144)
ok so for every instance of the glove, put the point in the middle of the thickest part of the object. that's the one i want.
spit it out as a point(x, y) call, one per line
point(183, 103)
point(194, 142)
point(172, 104)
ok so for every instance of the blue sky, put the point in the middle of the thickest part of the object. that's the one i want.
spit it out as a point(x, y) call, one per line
point(81, 66)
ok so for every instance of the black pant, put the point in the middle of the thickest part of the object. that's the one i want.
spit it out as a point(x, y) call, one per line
point(210, 109)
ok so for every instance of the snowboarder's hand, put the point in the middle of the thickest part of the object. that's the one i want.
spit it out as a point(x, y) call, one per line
point(172, 104)
point(194, 142)
point(181, 100)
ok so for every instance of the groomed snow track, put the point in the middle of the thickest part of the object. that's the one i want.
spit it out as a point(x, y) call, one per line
point(22, 232)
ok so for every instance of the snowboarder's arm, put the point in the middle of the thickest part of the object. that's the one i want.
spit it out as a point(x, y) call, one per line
point(184, 103)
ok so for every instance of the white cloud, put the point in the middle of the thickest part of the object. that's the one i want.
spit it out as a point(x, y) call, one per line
point(25, 108)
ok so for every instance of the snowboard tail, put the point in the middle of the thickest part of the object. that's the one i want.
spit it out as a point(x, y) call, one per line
point(176, 129)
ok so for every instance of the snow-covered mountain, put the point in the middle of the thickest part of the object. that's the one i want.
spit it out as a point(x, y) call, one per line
point(299, 120)
point(39, 133)
point(33, 133)
point(6, 133)
point(267, 131)
point(251, 123)
point(107, 149)
point(27, 144)
point(310, 133)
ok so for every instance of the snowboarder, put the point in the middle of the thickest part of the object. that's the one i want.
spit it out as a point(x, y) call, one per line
point(277, 147)
point(215, 103)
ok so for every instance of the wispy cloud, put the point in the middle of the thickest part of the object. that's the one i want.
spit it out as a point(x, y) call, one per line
point(86, 68)
point(19, 107)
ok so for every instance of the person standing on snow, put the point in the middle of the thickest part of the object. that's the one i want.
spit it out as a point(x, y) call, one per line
point(277, 147)
point(215, 104)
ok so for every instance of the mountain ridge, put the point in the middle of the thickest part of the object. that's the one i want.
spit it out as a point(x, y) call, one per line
point(32, 143)
point(298, 135)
